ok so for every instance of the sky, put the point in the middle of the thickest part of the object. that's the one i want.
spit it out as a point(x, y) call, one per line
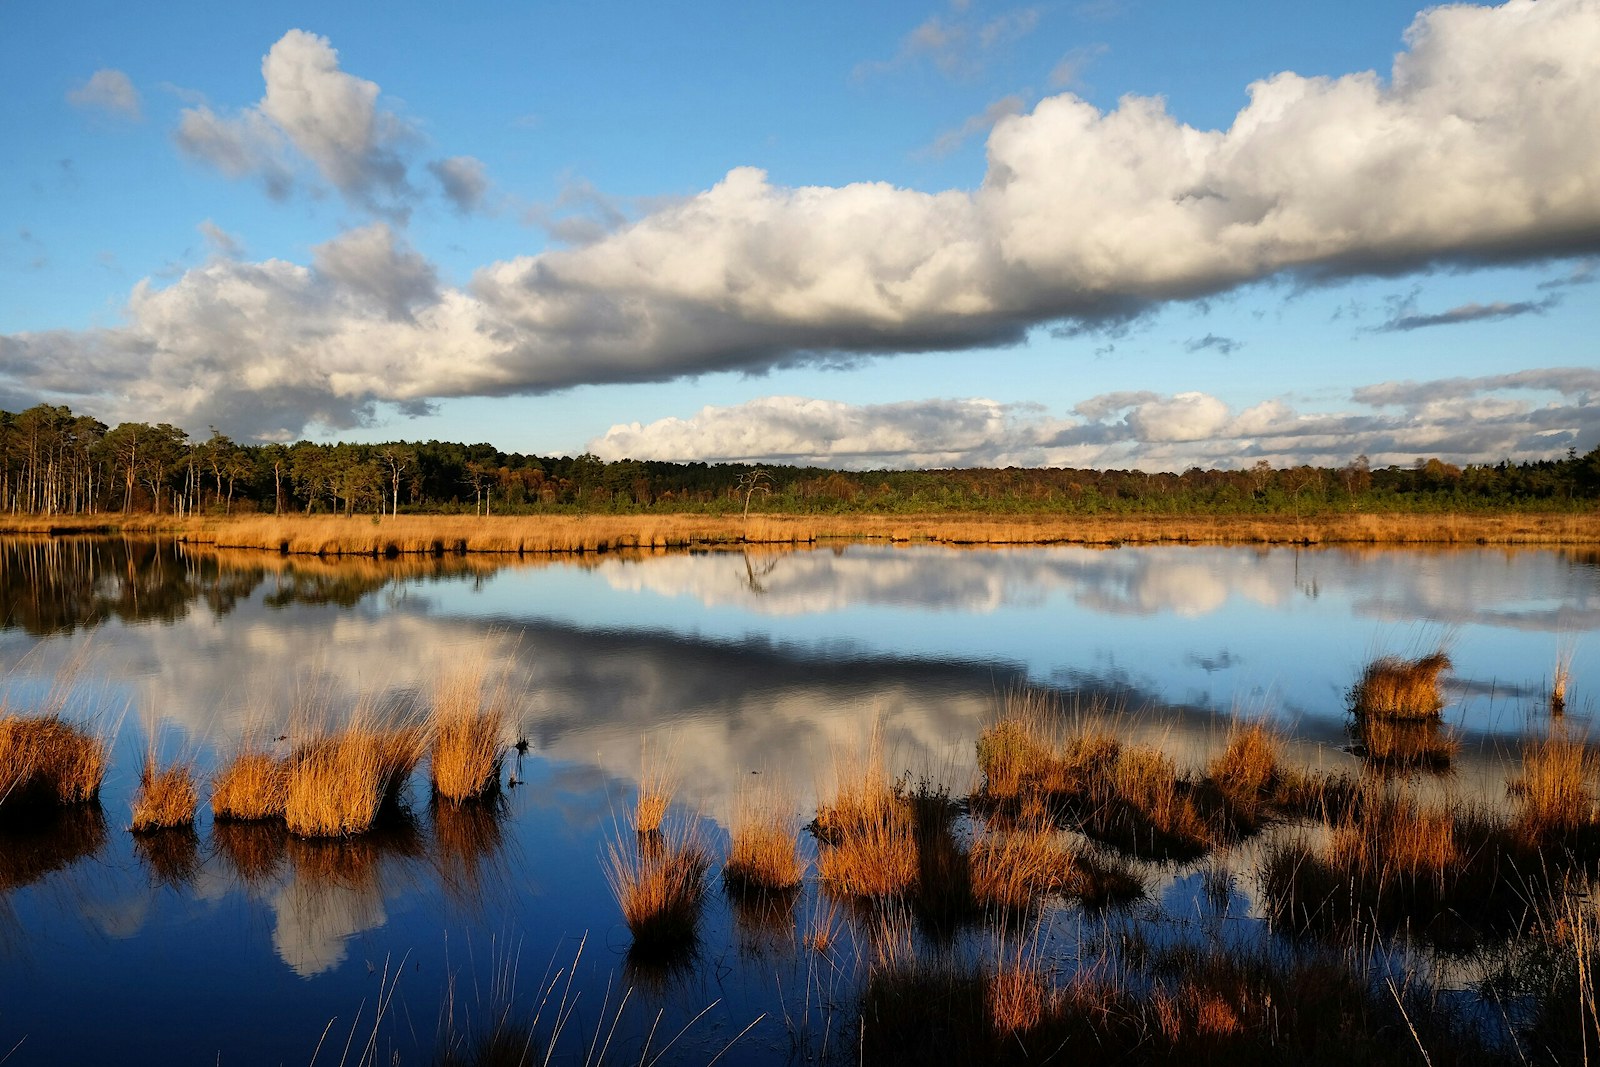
point(1111, 233)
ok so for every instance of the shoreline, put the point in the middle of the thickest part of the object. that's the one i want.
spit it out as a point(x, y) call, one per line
point(387, 536)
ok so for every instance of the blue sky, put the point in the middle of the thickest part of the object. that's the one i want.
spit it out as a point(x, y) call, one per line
point(1111, 232)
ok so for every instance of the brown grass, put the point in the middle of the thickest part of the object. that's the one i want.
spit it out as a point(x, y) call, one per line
point(875, 859)
point(1011, 870)
point(540, 534)
point(468, 737)
point(46, 760)
point(1556, 791)
point(763, 854)
point(1560, 678)
point(1396, 688)
point(166, 798)
point(336, 785)
point(251, 785)
point(660, 890)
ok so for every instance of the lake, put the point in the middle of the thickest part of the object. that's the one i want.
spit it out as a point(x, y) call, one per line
point(236, 947)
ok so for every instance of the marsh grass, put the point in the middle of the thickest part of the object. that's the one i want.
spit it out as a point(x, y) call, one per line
point(1556, 793)
point(1012, 870)
point(468, 734)
point(337, 784)
point(660, 890)
point(47, 761)
point(1396, 688)
point(763, 851)
point(166, 798)
point(1561, 677)
point(250, 785)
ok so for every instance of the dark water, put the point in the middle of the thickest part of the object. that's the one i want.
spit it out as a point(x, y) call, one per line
point(241, 946)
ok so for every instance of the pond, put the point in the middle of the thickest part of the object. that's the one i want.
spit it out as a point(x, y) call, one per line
point(241, 945)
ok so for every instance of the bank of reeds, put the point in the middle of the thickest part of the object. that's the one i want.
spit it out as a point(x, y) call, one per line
point(468, 735)
point(546, 534)
point(1392, 687)
point(866, 831)
point(166, 798)
point(47, 761)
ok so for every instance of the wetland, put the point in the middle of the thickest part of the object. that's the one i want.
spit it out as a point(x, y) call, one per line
point(914, 801)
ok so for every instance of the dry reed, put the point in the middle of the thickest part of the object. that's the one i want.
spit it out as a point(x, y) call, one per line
point(661, 890)
point(763, 854)
point(251, 785)
point(468, 736)
point(46, 760)
point(337, 785)
point(166, 797)
point(1396, 688)
point(658, 779)
point(1556, 791)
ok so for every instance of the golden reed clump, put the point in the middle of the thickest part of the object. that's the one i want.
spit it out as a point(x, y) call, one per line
point(166, 798)
point(660, 889)
point(468, 729)
point(336, 785)
point(251, 785)
point(1396, 688)
point(763, 853)
point(46, 760)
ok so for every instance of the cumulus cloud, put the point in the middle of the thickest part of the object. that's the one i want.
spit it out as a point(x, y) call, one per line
point(463, 180)
point(1527, 415)
point(1465, 154)
point(327, 116)
point(110, 91)
point(787, 429)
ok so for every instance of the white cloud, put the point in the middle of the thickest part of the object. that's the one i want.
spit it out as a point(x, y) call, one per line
point(330, 117)
point(110, 91)
point(1460, 420)
point(1467, 154)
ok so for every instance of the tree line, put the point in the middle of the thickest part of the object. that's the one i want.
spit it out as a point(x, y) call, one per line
point(53, 461)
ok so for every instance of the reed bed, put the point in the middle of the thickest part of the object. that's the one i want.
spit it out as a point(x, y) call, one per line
point(576, 534)
point(1392, 687)
point(661, 890)
point(47, 761)
point(1556, 792)
point(468, 736)
point(166, 798)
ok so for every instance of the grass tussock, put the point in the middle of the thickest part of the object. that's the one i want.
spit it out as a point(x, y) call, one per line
point(1561, 678)
point(48, 761)
point(1396, 688)
point(166, 798)
point(251, 785)
point(661, 890)
point(763, 852)
point(469, 728)
point(1011, 870)
point(1556, 792)
point(338, 784)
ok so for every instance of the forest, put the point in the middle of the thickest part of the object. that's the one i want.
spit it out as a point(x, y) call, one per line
point(53, 461)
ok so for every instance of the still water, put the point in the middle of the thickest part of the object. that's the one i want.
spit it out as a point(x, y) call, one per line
point(241, 948)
